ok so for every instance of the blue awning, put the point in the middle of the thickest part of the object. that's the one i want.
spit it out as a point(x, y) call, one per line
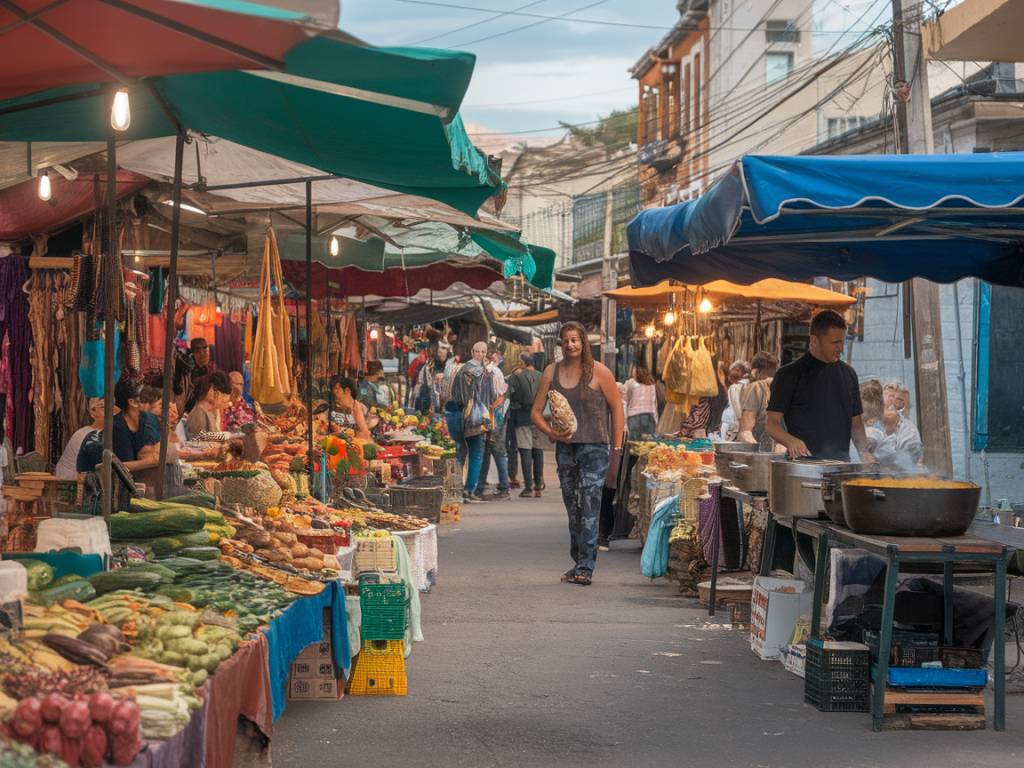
point(893, 217)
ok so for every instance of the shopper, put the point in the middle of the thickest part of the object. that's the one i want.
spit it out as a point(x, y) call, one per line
point(641, 399)
point(136, 432)
point(495, 445)
point(213, 396)
point(239, 412)
point(473, 388)
point(350, 412)
point(585, 463)
point(738, 378)
point(189, 368)
point(522, 391)
point(754, 401)
point(66, 468)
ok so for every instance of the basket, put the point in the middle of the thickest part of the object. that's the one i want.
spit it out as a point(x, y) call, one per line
point(962, 658)
point(909, 649)
point(379, 670)
point(421, 498)
point(373, 555)
point(837, 679)
point(383, 609)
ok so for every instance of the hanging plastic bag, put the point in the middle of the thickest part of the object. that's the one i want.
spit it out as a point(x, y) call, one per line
point(272, 345)
point(703, 379)
point(90, 365)
point(676, 374)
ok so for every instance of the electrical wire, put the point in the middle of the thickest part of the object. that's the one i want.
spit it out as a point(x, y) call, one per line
point(531, 25)
point(477, 23)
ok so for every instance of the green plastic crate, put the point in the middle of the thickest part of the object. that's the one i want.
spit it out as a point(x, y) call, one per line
point(383, 608)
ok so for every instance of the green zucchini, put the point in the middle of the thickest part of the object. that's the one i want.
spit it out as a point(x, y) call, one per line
point(126, 578)
point(39, 574)
point(135, 526)
point(80, 589)
point(141, 504)
point(195, 499)
point(67, 578)
point(150, 567)
point(200, 553)
point(167, 545)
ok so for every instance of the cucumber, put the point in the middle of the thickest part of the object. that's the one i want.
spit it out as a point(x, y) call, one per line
point(194, 499)
point(157, 568)
point(126, 578)
point(80, 589)
point(167, 545)
point(140, 526)
point(200, 553)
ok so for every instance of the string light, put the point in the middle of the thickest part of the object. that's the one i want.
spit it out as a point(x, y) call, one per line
point(374, 334)
point(670, 318)
point(121, 111)
point(649, 331)
point(335, 248)
point(45, 190)
point(705, 306)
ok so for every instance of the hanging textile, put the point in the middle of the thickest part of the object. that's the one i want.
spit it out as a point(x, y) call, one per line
point(227, 347)
point(272, 347)
point(156, 339)
point(157, 290)
point(17, 331)
point(250, 321)
point(45, 290)
point(202, 321)
point(318, 340)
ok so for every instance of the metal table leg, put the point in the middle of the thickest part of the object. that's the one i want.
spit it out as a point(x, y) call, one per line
point(999, 717)
point(947, 603)
point(819, 585)
point(892, 570)
point(768, 546)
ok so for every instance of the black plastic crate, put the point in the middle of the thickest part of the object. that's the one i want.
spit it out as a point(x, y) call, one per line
point(909, 649)
point(836, 680)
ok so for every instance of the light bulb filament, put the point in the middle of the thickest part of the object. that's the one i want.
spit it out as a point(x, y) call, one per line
point(121, 111)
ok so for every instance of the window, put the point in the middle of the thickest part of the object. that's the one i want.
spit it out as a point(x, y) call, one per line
point(837, 126)
point(696, 91)
point(588, 214)
point(686, 99)
point(778, 66)
point(781, 32)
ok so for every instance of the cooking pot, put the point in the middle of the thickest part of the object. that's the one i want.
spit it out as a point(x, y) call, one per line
point(909, 511)
point(832, 488)
point(795, 486)
point(734, 446)
point(747, 471)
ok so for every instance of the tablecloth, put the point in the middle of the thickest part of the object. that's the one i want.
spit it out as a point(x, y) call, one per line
point(186, 747)
point(241, 686)
point(301, 625)
point(422, 548)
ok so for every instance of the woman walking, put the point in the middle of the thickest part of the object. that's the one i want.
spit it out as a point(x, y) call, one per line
point(641, 399)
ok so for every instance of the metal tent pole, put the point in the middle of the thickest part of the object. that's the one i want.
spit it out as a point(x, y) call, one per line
point(113, 262)
point(309, 327)
point(172, 299)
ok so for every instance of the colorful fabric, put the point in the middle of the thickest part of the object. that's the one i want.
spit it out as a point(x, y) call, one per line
point(238, 415)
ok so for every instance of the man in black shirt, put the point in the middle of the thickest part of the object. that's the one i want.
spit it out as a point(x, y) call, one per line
point(815, 407)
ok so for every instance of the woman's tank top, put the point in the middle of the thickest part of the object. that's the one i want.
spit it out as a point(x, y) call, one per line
point(592, 412)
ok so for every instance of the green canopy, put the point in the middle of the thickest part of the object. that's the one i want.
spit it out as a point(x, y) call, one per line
point(387, 117)
point(533, 261)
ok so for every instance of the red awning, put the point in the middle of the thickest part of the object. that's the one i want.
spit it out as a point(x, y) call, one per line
point(23, 214)
point(136, 38)
point(391, 282)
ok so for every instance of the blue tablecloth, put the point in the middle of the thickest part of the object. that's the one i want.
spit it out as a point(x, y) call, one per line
point(301, 625)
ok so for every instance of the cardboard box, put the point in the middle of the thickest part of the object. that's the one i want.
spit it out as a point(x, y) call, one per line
point(316, 652)
point(303, 669)
point(794, 659)
point(315, 688)
point(775, 606)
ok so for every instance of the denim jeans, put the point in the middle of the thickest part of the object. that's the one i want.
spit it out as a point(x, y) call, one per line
point(453, 418)
point(474, 461)
point(495, 447)
point(581, 470)
point(640, 426)
point(512, 449)
point(532, 460)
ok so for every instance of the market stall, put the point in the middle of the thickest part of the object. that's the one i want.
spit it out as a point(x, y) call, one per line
point(891, 217)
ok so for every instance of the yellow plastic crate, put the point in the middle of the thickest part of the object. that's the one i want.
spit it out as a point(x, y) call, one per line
point(379, 670)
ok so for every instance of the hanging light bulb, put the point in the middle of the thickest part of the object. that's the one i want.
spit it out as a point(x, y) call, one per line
point(121, 111)
point(705, 306)
point(374, 334)
point(45, 190)
point(649, 331)
point(335, 248)
point(670, 318)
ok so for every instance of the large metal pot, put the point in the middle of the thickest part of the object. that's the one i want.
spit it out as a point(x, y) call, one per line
point(908, 511)
point(795, 487)
point(749, 471)
point(832, 488)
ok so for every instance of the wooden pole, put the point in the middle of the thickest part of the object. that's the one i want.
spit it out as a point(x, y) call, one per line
point(309, 328)
point(172, 299)
point(113, 262)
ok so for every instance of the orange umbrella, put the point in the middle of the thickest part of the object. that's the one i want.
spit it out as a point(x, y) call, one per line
point(770, 289)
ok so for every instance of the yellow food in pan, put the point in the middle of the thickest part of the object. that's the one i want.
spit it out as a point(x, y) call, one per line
point(917, 483)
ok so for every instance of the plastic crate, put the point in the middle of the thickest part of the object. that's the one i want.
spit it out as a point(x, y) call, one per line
point(373, 555)
point(383, 610)
point(906, 677)
point(837, 679)
point(962, 658)
point(379, 670)
point(909, 649)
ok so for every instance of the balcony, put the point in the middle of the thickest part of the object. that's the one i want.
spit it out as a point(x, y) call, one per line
point(662, 154)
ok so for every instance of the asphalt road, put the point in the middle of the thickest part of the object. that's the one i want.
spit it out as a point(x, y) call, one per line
point(520, 670)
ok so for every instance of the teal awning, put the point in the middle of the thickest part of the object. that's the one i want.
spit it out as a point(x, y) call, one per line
point(387, 117)
point(537, 264)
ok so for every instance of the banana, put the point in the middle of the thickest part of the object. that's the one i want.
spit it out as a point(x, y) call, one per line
point(51, 661)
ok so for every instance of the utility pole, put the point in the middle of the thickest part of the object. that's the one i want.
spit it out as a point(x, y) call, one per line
point(609, 281)
point(921, 301)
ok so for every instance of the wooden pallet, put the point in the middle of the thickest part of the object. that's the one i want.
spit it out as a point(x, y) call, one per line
point(941, 721)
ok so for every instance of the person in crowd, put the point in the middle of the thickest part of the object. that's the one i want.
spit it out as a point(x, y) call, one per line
point(67, 464)
point(522, 391)
point(753, 410)
point(815, 409)
point(350, 412)
point(905, 439)
point(588, 459)
point(737, 377)
point(136, 432)
point(495, 445)
point(873, 404)
point(473, 388)
point(374, 391)
point(151, 400)
point(425, 385)
point(640, 397)
point(447, 392)
point(239, 412)
point(511, 446)
point(188, 369)
point(213, 396)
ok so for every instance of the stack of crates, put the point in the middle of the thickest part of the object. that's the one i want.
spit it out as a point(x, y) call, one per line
point(373, 555)
point(451, 504)
point(837, 676)
point(379, 669)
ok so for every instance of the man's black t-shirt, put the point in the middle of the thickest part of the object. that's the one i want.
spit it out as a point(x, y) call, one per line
point(817, 401)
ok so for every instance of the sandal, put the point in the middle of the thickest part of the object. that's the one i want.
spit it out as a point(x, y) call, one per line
point(569, 576)
point(583, 579)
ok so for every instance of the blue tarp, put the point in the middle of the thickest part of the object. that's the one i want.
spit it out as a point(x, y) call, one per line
point(940, 217)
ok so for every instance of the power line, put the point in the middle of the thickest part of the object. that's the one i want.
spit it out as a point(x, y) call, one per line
point(544, 20)
point(601, 22)
point(478, 23)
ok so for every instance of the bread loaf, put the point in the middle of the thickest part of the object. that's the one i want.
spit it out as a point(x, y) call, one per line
point(563, 420)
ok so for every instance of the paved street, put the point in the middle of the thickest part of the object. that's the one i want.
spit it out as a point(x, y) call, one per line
point(520, 670)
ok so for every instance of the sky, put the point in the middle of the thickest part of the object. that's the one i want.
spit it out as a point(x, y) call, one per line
point(533, 73)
